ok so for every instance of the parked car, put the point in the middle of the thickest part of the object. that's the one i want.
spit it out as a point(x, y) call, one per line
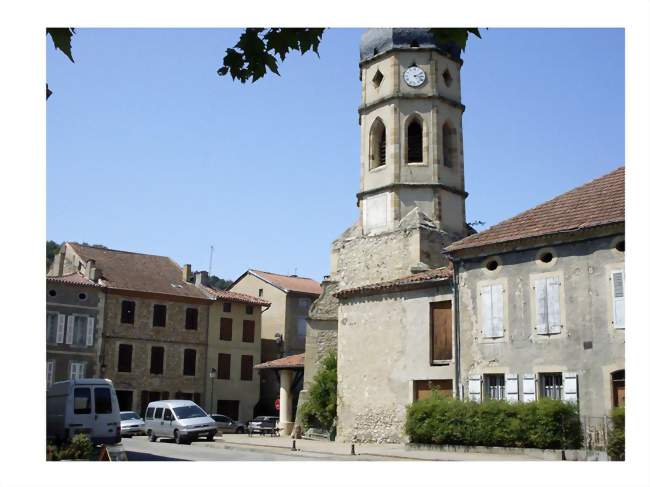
point(181, 420)
point(131, 423)
point(228, 425)
point(86, 406)
point(262, 422)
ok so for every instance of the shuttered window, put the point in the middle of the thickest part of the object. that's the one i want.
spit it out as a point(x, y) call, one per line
point(225, 329)
point(77, 370)
point(495, 386)
point(50, 373)
point(124, 357)
point(246, 367)
point(492, 310)
point(618, 294)
point(159, 315)
point(223, 366)
point(52, 324)
point(551, 385)
point(248, 331)
point(157, 360)
point(189, 362)
point(440, 331)
point(79, 334)
point(191, 319)
point(547, 304)
point(128, 312)
point(474, 388)
point(512, 388)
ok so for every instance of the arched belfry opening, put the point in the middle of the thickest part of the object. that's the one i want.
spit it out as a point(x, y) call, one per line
point(449, 149)
point(414, 141)
point(377, 144)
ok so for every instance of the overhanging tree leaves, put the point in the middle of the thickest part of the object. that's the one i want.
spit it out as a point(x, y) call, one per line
point(62, 40)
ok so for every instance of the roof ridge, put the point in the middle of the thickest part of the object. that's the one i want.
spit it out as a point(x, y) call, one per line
point(293, 276)
point(120, 251)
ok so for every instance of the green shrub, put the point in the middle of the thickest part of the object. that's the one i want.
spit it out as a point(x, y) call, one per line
point(319, 410)
point(616, 440)
point(79, 448)
point(542, 424)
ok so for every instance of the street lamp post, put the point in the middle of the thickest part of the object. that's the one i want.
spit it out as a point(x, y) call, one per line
point(213, 374)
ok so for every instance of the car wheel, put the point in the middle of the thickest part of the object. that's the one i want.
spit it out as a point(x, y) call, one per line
point(210, 437)
point(240, 430)
point(151, 436)
point(177, 437)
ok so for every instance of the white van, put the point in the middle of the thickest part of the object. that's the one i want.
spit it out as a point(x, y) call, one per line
point(183, 421)
point(83, 406)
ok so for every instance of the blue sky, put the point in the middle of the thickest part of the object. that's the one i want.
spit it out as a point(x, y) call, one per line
point(149, 150)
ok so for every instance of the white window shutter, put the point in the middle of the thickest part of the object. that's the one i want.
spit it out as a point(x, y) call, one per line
point(70, 330)
point(553, 301)
point(497, 310)
point(541, 307)
point(529, 389)
point(570, 387)
point(82, 370)
point(512, 388)
point(486, 311)
point(90, 326)
point(618, 289)
point(72, 370)
point(474, 388)
point(60, 329)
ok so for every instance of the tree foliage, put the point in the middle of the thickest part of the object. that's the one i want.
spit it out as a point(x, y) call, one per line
point(219, 283)
point(616, 441)
point(62, 40)
point(319, 410)
point(52, 248)
point(79, 448)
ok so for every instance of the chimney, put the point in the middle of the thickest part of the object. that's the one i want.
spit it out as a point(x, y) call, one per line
point(91, 270)
point(201, 278)
point(187, 273)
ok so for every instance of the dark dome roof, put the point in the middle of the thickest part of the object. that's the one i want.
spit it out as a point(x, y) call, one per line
point(376, 41)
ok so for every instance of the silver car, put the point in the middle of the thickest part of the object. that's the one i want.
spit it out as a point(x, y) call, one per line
point(131, 423)
point(228, 425)
point(183, 421)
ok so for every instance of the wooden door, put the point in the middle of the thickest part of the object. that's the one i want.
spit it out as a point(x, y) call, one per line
point(441, 342)
point(423, 388)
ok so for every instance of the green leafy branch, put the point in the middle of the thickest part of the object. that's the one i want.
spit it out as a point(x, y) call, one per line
point(62, 40)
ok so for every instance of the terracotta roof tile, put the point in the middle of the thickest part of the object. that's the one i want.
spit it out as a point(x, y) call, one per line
point(290, 362)
point(234, 297)
point(415, 280)
point(596, 203)
point(289, 283)
point(74, 278)
point(138, 272)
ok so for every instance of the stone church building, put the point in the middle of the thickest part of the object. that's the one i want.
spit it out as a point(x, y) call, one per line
point(390, 306)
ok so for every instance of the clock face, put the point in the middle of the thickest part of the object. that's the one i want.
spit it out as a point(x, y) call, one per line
point(414, 76)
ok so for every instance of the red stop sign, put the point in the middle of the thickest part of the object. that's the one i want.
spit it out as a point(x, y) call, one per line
point(277, 404)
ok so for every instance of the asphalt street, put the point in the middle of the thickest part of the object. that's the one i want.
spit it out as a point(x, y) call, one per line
point(140, 449)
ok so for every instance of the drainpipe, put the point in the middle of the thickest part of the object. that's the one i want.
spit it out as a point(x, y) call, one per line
point(456, 318)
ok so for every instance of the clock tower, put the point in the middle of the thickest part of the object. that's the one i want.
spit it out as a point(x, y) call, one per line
point(411, 132)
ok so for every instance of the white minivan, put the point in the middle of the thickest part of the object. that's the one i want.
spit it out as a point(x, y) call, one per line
point(83, 406)
point(181, 420)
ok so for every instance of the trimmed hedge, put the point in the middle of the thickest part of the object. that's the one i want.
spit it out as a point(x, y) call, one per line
point(616, 443)
point(539, 424)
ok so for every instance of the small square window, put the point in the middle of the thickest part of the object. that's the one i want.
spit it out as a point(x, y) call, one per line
point(260, 292)
point(159, 315)
point(377, 79)
point(227, 307)
point(249, 310)
point(551, 385)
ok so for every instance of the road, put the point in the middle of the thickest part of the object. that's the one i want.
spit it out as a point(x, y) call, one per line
point(140, 449)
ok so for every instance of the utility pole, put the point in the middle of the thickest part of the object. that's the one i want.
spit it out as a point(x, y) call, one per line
point(210, 264)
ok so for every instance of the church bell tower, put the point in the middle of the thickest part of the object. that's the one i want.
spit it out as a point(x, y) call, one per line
point(411, 131)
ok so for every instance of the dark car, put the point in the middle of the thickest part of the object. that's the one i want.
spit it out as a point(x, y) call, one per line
point(228, 425)
point(260, 423)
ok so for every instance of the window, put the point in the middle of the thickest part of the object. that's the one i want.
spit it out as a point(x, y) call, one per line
point(495, 386)
point(546, 257)
point(446, 77)
point(492, 265)
point(82, 400)
point(167, 415)
point(547, 302)
point(191, 319)
point(157, 360)
point(189, 361)
point(149, 414)
point(440, 331)
point(618, 388)
point(620, 246)
point(225, 329)
point(80, 330)
point(227, 307)
point(414, 141)
point(377, 79)
point(52, 324)
point(424, 388)
point(77, 370)
point(301, 326)
point(103, 403)
point(448, 145)
point(52, 292)
point(618, 295)
point(246, 367)
point(223, 366)
point(491, 298)
point(249, 310)
point(125, 400)
point(260, 292)
point(551, 385)
point(82, 296)
point(377, 144)
point(50, 373)
point(159, 315)
point(248, 331)
point(124, 357)
point(158, 413)
point(128, 312)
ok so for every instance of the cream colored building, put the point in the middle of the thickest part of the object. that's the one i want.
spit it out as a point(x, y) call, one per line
point(284, 324)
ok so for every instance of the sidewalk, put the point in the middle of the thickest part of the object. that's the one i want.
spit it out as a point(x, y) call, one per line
point(363, 450)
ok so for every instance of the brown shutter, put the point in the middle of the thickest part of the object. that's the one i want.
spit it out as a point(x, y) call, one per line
point(225, 329)
point(248, 334)
point(157, 360)
point(189, 362)
point(124, 358)
point(223, 366)
point(191, 319)
point(246, 367)
point(441, 342)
